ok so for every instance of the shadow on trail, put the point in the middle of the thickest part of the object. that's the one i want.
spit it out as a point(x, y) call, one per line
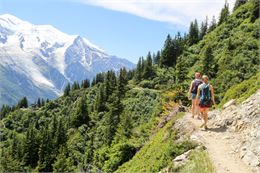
point(217, 129)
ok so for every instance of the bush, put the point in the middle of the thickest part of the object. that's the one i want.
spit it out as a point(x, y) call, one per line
point(146, 84)
point(242, 90)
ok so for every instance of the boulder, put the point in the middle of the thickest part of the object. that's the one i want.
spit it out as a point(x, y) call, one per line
point(229, 103)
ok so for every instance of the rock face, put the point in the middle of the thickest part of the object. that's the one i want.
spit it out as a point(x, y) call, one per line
point(244, 121)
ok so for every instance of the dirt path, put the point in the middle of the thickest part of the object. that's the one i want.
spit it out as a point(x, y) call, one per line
point(220, 146)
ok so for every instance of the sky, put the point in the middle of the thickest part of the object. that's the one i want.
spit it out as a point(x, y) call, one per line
point(125, 28)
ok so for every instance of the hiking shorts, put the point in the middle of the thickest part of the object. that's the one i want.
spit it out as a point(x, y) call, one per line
point(193, 96)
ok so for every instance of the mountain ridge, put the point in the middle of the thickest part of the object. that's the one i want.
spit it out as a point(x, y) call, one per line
point(48, 58)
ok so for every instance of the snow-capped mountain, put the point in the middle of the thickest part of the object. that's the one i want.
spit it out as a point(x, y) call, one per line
point(39, 60)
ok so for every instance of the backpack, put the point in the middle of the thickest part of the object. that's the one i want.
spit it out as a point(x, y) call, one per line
point(205, 96)
point(195, 86)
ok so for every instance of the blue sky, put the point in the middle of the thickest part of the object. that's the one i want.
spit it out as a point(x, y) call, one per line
point(125, 28)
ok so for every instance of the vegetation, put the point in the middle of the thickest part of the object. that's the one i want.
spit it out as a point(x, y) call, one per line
point(199, 162)
point(107, 124)
point(242, 91)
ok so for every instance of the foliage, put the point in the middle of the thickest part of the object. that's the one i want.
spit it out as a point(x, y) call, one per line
point(199, 162)
point(158, 152)
point(242, 91)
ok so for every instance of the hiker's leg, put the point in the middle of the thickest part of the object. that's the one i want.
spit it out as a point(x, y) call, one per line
point(197, 110)
point(202, 114)
point(193, 107)
point(206, 116)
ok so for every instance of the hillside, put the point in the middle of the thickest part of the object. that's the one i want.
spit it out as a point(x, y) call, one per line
point(137, 121)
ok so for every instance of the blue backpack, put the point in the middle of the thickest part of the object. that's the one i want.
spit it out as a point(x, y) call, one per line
point(205, 95)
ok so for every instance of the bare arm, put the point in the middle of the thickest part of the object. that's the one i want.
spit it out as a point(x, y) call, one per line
point(191, 87)
point(198, 95)
point(212, 93)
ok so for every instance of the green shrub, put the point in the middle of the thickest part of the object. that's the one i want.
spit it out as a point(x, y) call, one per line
point(242, 91)
point(199, 162)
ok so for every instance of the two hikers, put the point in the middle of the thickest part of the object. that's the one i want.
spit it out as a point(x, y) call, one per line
point(204, 97)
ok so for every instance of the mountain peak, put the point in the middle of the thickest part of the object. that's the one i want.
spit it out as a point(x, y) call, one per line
point(11, 19)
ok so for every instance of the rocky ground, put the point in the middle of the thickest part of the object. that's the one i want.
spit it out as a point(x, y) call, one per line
point(233, 137)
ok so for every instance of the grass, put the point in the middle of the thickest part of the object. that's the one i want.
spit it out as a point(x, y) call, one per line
point(199, 163)
point(158, 152)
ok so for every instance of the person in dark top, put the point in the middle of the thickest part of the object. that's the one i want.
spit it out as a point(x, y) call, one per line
point(193, 93)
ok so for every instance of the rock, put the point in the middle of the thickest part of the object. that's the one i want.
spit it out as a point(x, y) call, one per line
point(229, 103)
point(182, 157)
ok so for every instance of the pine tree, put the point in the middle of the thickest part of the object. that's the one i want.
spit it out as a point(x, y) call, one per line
point(203, 29)
point(122, 82)
point(75, 86)
point(213, 24)
point(101, 99)
point(238, 3)
point(138, 71)
point(67, 90)
point(46, 159)
point(148, 72)
point(156, 58)
point(63, 162)
point(4, 111)
point(43, 102)
point(85, 83)
point(31, 146)
point(209, 66)
point(23, 103)
point(193, 33)
point(167, 53)
point(181, 70)
point(39, 104)
point(224, 14)
point(81, 115)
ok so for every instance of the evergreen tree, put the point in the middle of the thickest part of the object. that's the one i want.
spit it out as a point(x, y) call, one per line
point(122, 82)
point(224, 14)
point(93, 82)
point(213, 24)
point(112, 117)
point(209, 66)
point(39, 104)
point(148, 72)
point(138, 71)
point(43, 102)
point(238, 3)
point(31, 146)
point(60, 134)
point(23, 103)
point(75, 86)
point(203, 29)
point(81, 115)
point(167, 53)
point(45, 152)
point(67, 90)
point(193, 33)
point(181, 70)
point(4, 111)
point(100, 105)
point(156, 58)
point(63, 162)
point(85, 83)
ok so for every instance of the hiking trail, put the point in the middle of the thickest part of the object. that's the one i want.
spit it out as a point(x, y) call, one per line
point(219, 144)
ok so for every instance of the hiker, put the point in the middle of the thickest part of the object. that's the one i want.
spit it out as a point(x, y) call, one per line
point(205, 96)
point(193, 94)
